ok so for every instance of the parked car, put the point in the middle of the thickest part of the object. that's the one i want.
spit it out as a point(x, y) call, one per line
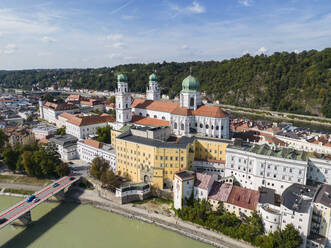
point(55, 185)
point(30, 198)
point(3, 220)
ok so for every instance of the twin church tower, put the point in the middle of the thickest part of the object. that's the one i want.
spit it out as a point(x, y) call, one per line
point(123, 97)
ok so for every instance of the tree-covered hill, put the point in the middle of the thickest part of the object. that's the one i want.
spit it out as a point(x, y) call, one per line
point(290, 82)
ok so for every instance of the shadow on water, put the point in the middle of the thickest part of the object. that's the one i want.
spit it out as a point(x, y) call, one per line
point(37, 228)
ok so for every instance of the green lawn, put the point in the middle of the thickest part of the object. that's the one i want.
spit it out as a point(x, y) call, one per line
point(23, 180)
point(19, 191)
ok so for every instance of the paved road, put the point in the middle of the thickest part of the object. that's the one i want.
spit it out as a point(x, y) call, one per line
point(22, 207)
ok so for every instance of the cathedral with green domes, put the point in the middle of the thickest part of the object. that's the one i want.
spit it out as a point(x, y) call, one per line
point(186, 117)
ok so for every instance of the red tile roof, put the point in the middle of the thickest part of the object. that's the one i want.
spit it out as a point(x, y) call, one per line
point(245, 198)
point(202, 181)
point(220, 191)
point(66, 115)
point(163, 106)
point(174, 108)
point(90, 120)
point(59, 106)
point(147, 121)
point(93, 143)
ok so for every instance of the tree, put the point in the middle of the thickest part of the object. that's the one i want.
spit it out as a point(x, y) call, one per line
point(47, 97)
point(110, 180)
point(30, 118)
point(287, 238)
point(104, 134)
point(3, 140)
point(10, 157)
point(61, 131)
point(112, 99)
point(30, 164)
point(62, 169)
point(98, 167)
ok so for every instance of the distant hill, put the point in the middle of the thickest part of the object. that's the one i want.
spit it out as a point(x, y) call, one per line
point(290, 82)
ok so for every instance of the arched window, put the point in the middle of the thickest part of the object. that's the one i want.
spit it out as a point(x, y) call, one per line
point(207, 126)
point(212, 127)
point(126, 105)
point(163, 118)
point(141, 114)
point(147, 115)
point(155, 116)
point(182, 126)
point(217, 128)
point(192, 101)
point(175, 125)
point(201, 125)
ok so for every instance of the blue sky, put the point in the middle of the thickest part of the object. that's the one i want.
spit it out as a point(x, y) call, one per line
point(98, 33)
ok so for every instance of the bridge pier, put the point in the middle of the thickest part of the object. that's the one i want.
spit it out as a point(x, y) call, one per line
point(59, 196)
point(24, 220)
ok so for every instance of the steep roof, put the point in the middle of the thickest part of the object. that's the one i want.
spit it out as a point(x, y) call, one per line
point(174, 108)
point(245, 198)
point(163, 106)
point(324, 195)
point(202, 181)
point(220, 191)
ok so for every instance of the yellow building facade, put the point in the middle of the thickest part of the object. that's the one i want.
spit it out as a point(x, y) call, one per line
point(210, 149)
point(147, 160)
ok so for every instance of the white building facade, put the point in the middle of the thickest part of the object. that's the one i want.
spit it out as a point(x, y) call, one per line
point(90, 149)
point(254, 166)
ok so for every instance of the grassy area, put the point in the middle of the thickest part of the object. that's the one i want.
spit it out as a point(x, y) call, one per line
point(23, 180)
point(19, 191)
point(155, 200)
point(32, 180)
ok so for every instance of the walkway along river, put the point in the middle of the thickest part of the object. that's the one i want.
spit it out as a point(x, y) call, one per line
point(75, 225)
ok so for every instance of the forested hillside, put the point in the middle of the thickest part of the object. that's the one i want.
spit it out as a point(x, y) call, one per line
point(290, 82)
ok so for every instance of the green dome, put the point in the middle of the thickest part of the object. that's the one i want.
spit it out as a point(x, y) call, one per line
point(153, 78)
point(122, 78)
point(190, 83)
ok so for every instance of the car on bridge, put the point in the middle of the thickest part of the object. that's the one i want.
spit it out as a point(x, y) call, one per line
point(36, 200)
point(30, 198)
point(55, 185)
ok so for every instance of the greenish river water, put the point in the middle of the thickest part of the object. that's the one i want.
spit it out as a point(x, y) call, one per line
point(70, 225)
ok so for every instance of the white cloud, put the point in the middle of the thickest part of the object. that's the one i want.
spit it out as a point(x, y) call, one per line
point(114, 56)
point(9, 49)
point(245, 2)
point(114, 37)
point(118, 45)
point(121, 7)
point(196, 8)
point(261, 50)
point(185, 47)
point(130, 58)
point(48, 39)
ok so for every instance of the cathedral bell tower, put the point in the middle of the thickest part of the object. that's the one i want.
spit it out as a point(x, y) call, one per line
point(123, 100)
point(153, 90)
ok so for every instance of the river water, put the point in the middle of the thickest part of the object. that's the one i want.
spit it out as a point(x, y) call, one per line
point(69, 225)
